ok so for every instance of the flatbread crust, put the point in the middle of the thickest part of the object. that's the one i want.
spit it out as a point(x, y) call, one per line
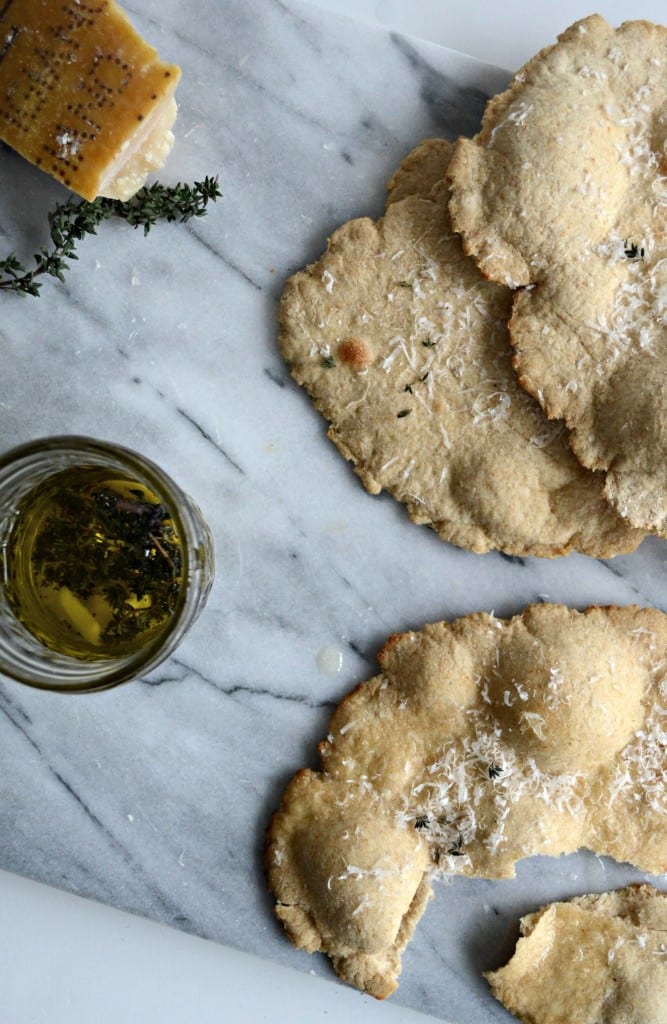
point(402, 345)
point(563, 194)
point(481, 742)
point(424, 167)
point(599, 959)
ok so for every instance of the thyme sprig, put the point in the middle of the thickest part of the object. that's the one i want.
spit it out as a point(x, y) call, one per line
point(69, 222)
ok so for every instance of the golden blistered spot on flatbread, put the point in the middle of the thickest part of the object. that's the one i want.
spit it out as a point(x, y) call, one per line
point(481, 742)
point(598, 958)
point(433, 412)
point(355, 353)
point(563, 196)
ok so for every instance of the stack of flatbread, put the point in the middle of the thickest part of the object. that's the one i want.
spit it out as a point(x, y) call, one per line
point(537, 247)
point(493, 353)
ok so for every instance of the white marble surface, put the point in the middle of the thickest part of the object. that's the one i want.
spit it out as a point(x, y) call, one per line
point(506, 34)
point(153, 798)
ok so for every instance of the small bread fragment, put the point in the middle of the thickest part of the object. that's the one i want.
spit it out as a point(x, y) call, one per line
point(598, 959)
point(562, 195)
point(83, 96)
point(482, 741)
point(403, 347)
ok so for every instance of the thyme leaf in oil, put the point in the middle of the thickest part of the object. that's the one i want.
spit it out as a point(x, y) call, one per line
point(124, 549)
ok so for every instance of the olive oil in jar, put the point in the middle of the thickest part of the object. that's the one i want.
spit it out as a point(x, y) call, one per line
point(93, 563)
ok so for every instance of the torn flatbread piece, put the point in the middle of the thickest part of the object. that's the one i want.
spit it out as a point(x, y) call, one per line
point(402, 346)
point(598, 959)
point(481, 742)
point(563, 195)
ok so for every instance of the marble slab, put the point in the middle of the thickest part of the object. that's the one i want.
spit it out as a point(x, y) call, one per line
point(154, 797)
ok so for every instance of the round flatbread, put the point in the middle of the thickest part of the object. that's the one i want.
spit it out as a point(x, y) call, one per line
point(402, 346)
point(595, 958)
point(563, 194)
point(481, 742)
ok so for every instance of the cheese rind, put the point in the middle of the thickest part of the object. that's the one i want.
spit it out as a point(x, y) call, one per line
point(82, 96)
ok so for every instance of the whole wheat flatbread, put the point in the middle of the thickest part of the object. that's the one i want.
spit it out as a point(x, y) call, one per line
point(598, 959)
point(564, 191)
point(402, 346)
point(481, 742)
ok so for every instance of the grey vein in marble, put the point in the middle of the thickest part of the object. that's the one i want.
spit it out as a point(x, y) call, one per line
point(154, 797)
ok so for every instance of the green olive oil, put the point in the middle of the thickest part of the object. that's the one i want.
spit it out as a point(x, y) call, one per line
point(93, 564)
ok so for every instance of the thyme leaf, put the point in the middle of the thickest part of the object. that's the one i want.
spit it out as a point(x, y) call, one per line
point(455, 849)
point(420, 380)
point(632, 251)
point(69, 222)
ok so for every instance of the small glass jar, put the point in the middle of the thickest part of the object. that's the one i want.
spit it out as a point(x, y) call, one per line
point(36, 468)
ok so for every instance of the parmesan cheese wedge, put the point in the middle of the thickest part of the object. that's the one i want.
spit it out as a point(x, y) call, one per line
point(82, 95)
